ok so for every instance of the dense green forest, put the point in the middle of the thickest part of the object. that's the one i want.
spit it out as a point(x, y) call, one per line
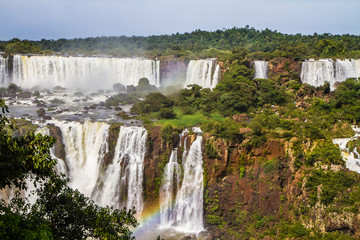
point(260, 44)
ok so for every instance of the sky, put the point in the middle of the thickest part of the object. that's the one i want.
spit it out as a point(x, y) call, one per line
point(54, 19)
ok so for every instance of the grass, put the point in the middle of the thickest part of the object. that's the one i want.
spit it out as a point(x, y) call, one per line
point(190, 120)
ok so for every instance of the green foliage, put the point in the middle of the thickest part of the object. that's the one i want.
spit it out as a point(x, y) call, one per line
point(271, 165)
point(74, 216)
point(153, 102)
point(335, 188)
point(166, 113)
point(325, 152)
point(227, 129)
point(211, 152)
point(17, 46)
point(244, 42)
point(144, 86)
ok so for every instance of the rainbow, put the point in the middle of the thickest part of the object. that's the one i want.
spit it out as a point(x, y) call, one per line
point(150, 219)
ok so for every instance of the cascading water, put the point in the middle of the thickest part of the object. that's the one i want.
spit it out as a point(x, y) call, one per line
point(203, 72)
point(121, 185)
point(4, 71)
point(85, 147)
point(185, 214)
point(261, 69)
point(82, 72)
point(316, 73)
point(171, 183)
point(351, 157)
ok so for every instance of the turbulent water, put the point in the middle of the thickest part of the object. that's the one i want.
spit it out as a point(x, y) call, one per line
point(352, 157)
point(123, 179)
point(316, 73)
point(185, 212)
point(261, 69)
point(4, 72)
point(82, 72)
point(171, 183)
point(203, 72)
point(85, 146)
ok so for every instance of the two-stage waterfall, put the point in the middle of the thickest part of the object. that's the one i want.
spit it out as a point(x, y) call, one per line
point(4, 70)
point(121, 185)
point(184, 212)
point(203, 72)
point(261, 69)
point(316, 73)
point(82, 72)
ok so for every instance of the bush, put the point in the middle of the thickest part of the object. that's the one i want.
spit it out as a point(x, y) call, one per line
point(325, 152)
point(166, 113)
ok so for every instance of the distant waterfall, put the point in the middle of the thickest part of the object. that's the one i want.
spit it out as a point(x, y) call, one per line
point(85, 147)
point(185, 213)
point(123, 179)
point(205, 73)
point(82, 72)
point(171, 183)
point(352, 159)
point(316, 73)
point(261, 69)
point(4, 71)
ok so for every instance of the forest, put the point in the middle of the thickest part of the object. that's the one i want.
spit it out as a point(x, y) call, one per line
point(260, 44)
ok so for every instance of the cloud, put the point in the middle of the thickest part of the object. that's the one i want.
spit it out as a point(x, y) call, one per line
point(52, 19)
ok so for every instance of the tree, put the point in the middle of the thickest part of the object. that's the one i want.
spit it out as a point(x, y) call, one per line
point(59, 212)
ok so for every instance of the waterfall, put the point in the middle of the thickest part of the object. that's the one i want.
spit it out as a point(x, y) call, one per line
point(82, 72)
point(261, 69)
point(203, 72)
point(352, 158)
point(171, 183)
point(123, 178)
point(85, 147)
point(316, 73)
point(185, 213)
point(4, 71)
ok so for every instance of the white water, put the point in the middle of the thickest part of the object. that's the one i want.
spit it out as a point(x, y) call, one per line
point(316, 73)
point(82, 72)
point(352, 159)
point(185, 214)
point(261, 69)
point(85, 146)
point(123, 179)
point(203, 72)
point(171, 183)
point(4, 74)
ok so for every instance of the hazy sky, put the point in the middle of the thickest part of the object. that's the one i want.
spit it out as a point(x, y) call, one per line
point(53, 19)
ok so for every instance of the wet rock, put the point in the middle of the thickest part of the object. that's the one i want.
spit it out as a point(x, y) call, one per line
point(189, 237)
point(59, 145)
point(41, 112)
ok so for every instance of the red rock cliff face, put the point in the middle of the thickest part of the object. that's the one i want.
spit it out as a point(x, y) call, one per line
point(284, 68)
point(246, 185)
